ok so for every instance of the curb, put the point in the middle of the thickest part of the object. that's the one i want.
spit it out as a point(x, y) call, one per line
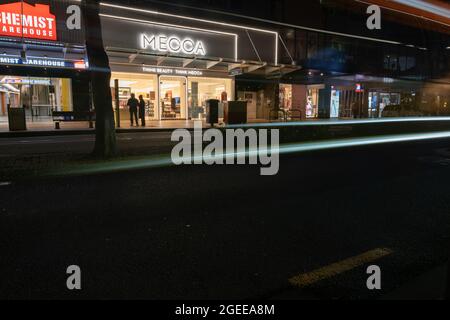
point(21, 134)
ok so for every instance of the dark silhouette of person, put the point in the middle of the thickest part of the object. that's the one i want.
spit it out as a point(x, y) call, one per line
point(133, 104)
point(355, 110)
point(142, 110)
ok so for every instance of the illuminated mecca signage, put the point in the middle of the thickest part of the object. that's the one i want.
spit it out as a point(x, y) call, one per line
point(173, 71)
point(42, 62)
point(36, 21)
point(158, 38)
point(173, 44)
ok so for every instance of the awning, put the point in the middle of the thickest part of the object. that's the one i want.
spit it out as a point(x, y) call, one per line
point(124, 57)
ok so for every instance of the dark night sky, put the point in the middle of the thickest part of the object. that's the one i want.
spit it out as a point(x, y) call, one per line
point(346, 16)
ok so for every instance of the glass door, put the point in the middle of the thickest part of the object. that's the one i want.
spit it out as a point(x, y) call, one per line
point(9, 97)
point(172, 93)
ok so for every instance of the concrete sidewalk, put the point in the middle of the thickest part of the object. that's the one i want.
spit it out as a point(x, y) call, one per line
point(310, 129)
point(46, 128)
point(22, 157)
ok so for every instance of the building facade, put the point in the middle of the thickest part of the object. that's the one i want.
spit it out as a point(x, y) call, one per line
point(178, 56)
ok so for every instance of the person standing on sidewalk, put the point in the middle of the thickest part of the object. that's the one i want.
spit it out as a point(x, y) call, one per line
point(133, 104)
point(142, 110)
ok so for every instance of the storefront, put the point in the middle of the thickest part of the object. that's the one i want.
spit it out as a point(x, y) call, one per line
point(169, 97)
point(379, 100)
point(42, 62)
point(37, 95)
point(177, 63)
point(300, 102)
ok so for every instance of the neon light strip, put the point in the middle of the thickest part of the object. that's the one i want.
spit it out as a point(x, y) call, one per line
point(428, 7)
point(199, 20)
point(340, 122)
point(276, 48)
point(236, 54)
point(407, 13)
point(166, 24)
point(41, 58)
point(357, 142)
point(295, 26)
point(187, 18)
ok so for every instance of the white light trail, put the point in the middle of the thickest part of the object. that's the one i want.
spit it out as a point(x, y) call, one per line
point(426, 6)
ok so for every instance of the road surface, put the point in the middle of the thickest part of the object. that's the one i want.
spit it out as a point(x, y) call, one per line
point(225, 232)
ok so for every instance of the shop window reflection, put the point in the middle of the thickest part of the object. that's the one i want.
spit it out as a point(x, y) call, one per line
point(202, 89)
point(37, 96)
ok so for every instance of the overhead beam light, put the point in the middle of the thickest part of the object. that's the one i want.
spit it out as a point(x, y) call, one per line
point(416, 8)
point(426, 6)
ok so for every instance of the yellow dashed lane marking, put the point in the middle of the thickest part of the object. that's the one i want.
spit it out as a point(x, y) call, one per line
point(307, 279)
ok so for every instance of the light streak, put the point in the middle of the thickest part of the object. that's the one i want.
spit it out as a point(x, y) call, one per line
point(291, 148)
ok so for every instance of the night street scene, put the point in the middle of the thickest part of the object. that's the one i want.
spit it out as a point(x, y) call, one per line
point(223, 158)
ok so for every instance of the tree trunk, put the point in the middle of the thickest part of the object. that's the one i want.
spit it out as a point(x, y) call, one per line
point(105, 133)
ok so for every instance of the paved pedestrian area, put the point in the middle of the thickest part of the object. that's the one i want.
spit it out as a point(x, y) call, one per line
point(49, 125)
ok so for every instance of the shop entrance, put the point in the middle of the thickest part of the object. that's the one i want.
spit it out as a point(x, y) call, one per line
point(172, 97)
point(378, 101)
point(37, 96)
point(140, 85)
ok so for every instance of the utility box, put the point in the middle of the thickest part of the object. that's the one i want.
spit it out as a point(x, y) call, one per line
point(212, 111)
point(16, 119)
point(235, 112)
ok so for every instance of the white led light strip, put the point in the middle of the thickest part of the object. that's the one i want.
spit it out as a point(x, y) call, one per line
point(425, 6)
point(406, 13)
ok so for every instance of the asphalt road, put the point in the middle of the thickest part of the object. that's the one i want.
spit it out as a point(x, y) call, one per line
point(128, 143)
point(225, 232)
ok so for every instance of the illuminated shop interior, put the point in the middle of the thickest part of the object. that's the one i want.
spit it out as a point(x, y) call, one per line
point(38, 96)
point(173, 97)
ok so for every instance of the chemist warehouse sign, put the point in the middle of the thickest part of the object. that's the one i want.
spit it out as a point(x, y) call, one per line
point(30, 21)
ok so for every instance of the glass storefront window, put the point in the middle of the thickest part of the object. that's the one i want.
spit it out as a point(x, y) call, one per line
point(285, 96)
point(312, 103)
point(378, 101)
point(170, 99)
point(38, 96)
point(139, 84)
point(202, 89)
point(335, 104)
point(173, 98)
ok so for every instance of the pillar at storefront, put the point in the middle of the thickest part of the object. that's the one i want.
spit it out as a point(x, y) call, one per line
point(324, 102)
point(365, 104)
point(195, 107)
point(299, 93)
point(66, 95)
point(3, 103)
